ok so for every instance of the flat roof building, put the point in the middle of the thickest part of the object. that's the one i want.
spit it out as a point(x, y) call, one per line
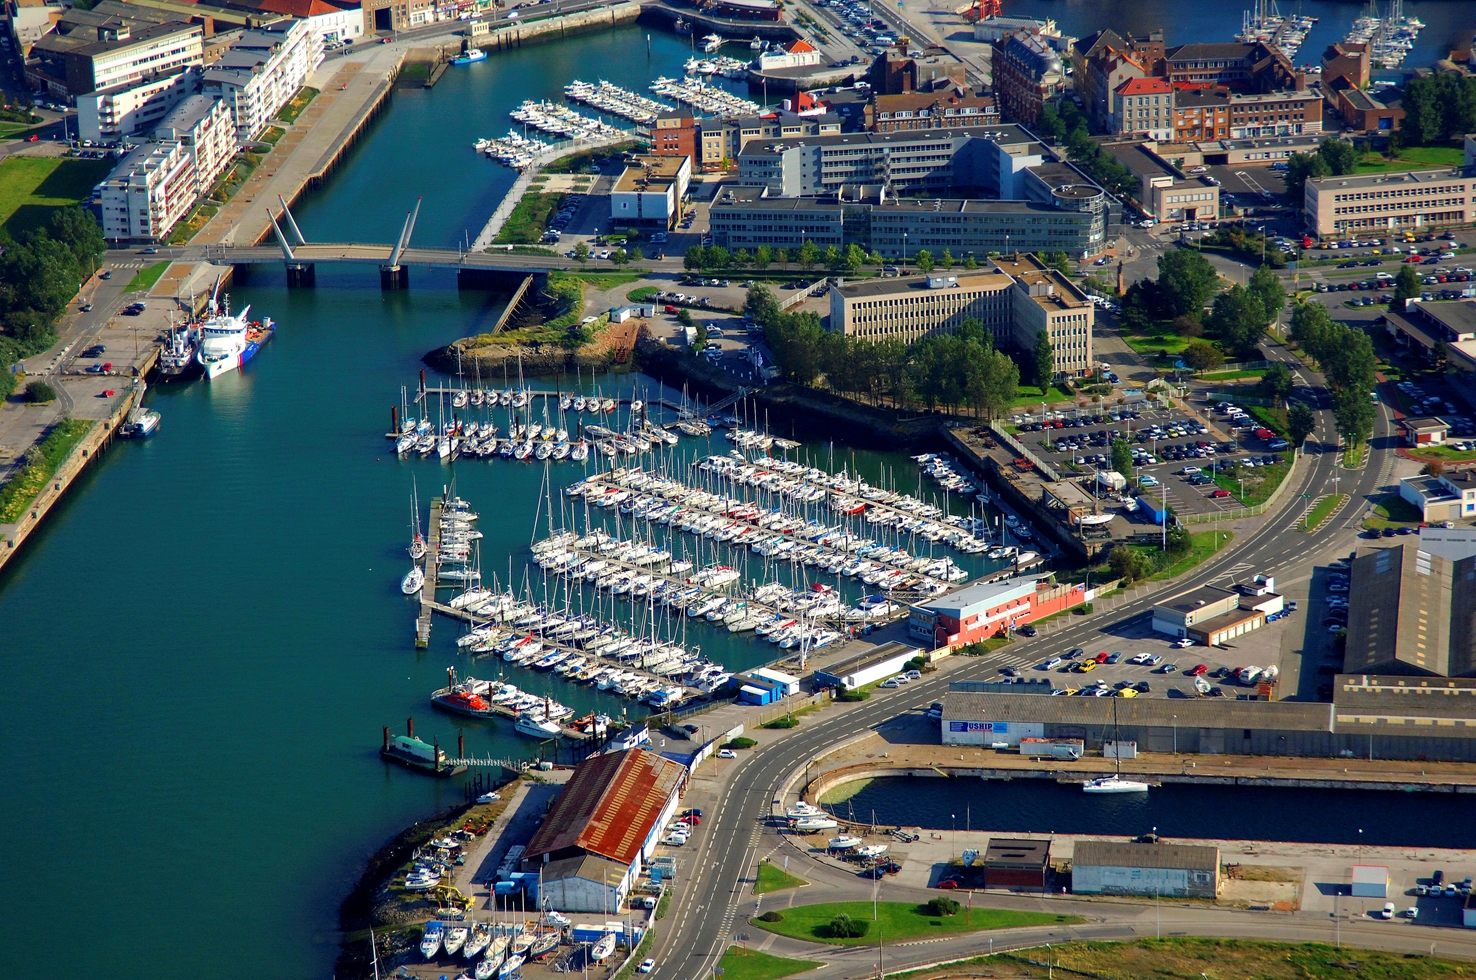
point(916, 306)
point(1017, 863)
point(866, 667)
point(1045, 300)
point(1102, 867)
point(649, 193)
point(88, 52)
point(1390, 201)
point(1410, 612)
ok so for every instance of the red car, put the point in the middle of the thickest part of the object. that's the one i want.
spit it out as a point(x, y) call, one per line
point(1220, 493)
point(1196, 670)
point(1101, 658)
point(948, 883)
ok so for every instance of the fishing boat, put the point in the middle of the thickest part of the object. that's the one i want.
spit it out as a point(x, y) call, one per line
point(430, 945)
point(470, 56)
point(413, 580)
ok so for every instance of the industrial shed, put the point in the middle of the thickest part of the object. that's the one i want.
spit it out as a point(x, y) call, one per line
point(866, 667)
point(1102, 867)
point(1017, 863)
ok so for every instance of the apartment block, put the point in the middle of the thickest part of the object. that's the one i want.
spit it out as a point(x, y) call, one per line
point(1028, 74)
point(1387, 202)
point(929, 110)
point(263, 70)
point(89, 52)
point(1143, 106)
point(135, 108)
point(1045, 300)
point(676, 135)
point(722, 140)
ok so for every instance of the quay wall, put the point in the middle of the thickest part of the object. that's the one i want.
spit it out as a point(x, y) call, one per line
point(516, 33)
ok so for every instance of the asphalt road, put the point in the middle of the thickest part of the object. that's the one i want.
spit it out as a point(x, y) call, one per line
point(708, 908)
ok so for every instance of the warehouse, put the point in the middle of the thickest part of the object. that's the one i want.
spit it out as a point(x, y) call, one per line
point(987, 609)
point(592, 845)
point(1370, 881)
point(1021, 864)
point(1102, 867)
point(866, 667)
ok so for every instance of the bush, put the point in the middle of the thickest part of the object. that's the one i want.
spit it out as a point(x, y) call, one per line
point(787, 721)
point(847, 694)
point(845, 927)
point(942, 906)
point(740, 743)
point(40, 391)
point(771, 916)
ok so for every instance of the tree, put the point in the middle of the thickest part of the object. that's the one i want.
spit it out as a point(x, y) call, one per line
point(1406, 286)
point(1355, 415)
point(971, 263)
point(942, 906)
point(1276, 383)
point(1434, 468)
point(1339, 155)
point(78, 230)
point(620, 256)
point(1186, 281)
point(855, 258)
point(875, 258)
point(924, 260)
point(761, 305)
point(636, 254)
point(809, 253)
point(946, 259)
point(833, 259)
point(695, 258)
point(581, 252)
point(1266, 285)
point(1128, 564)
point(1188, 326)
point(1122, 457)
point(741, 258)
point(781, 255)
point(1045, 360)
point(847, 927)
point(1300, 168)
point(762, 256)
point(1062, 262)
point(1302, 422)
point(716, 257)
point(1239, 319)
point(40, 391)
point(1201, 355)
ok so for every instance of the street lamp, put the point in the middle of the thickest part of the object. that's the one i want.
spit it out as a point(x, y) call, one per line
point(1176, 734)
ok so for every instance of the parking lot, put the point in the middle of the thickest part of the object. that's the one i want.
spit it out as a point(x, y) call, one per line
point(1176, 455)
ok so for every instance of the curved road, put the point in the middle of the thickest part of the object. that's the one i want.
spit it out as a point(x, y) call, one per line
point(712, 898)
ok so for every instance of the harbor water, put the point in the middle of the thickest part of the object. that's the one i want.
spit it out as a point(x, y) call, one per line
point(201, 645)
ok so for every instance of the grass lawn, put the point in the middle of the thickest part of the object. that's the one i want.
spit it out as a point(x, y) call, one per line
point(899, 921)
point(1353, 455)
point(1233, 375)
point(772, 878)
point(1444, 454)
point(1031, 396)
point(1396, 510)
point(1154, 344)
point(1162, 959)
point(1324, 507)
point(272, 134)
point(1412, 157)
point(741, 964)
point(641, 294)
point(1272, 418)
point(1259, 482)
point(529, 219)
point(32, 188)
point(145, 278)
point(1202, 546)
point(18, 493)
point(299, 102)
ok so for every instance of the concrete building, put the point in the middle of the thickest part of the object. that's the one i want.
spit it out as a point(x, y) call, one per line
point(1017, 863)
point(722, 140)
point(797, 54)
point(1143, 107)
point(1348, 61)
point(1428, 326)
point(263, 71)
point(1045, 300)
point(988, 609)
point(867, 667)
point(88, 52)
point(1426, 431)
point(1200, 114)
point(1390, 201)
point(148, 192)
point(134, 108)
point(650, 192)
point(27, 23)
point(602, 828)
point(1256, 115)
point(1028, 75)
point(1102, 867)
point(897, 72)
point(915, 306)
point(1209, 615)
point(676, 135)
point(1164, 190)
point(1103, 61)
point(938, 109)
point(1410, 611)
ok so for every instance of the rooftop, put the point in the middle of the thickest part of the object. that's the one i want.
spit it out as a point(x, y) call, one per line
point(1141, 712)
point(867, 657)
point(651, 173)
point(609, 806)
point(1456, 315)
point(1202, 596)
point(1144, 86)
point(1017, 852)
point(1366, 181)
point(1130, 854)
point(1429, 423)
point(980, 595)
point(1006, 134)
point(905, 284)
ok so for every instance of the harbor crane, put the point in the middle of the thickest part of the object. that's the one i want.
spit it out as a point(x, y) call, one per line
point(980, 10)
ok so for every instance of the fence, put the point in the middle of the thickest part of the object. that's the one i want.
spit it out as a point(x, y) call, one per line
point(804, 293)
point(1240, 398)
point(1046, 469)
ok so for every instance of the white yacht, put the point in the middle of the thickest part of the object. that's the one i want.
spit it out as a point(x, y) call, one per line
point(228, 341)
point(413, 580)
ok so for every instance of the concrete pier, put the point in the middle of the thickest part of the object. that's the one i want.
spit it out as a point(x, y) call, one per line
point(428, 590)
point(393, 277)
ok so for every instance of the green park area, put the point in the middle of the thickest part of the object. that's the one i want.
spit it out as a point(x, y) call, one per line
point(145, 278)
point(851, 923)
point(772, 878)
point(750, 964)
point(1411, 158)
point(33, 188)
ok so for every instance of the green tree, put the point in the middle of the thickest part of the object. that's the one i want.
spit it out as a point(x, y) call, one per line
point(1355, 415)
point(1122, 457)
point(848, 927)
point(1406, 286)
point(833, 258)
point(971, 263)
point(1266, 285)
point(1188, 326)
point(762, 256)
point(1300, 168)
point(636, 254)
point(716, 257)
point(875, 258)
point(1276, 383)
point(781, 255)
point(1044, 360)
point(924, 260)
point(1339, 155)
point(855, 258)
point(1239, 319)
point(946, 259)
point(1128, 564)
point(40, 391)
point(1201, 356)
point(78, 230)
point(1062, 262)
point(695, 258)
point(581, 252)
point(1302, 422)
point(620, 256)
point(809, 254)
point(741, 258)
point(761, 305)
point(1186, 281)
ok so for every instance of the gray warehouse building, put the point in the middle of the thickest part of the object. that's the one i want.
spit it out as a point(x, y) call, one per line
point(1102, 867)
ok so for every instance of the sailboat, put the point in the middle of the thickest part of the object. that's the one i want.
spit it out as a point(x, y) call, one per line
point(417, 540)
point(1114, 783)
point(413, 580)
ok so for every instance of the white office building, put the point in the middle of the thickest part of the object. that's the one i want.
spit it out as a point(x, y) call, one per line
point(263, 70)
point(133, 108)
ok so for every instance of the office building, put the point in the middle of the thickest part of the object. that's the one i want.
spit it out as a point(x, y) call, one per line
point(675, 135)
point(911, 307)
point(1045, 300)
point(92, 50)
point(1028, 74)
point(988, 609)
point(1390, 201)
point(134, 108)
point(1248, 67)
point(1101, 867)
point(939, 109)
point(649, 193)
point(1164, 191)
point(263, 71)
point(722, 140)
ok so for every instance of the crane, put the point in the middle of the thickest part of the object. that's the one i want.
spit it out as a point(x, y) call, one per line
point(980, 10)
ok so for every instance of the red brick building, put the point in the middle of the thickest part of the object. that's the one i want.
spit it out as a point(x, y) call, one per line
point(675, 135)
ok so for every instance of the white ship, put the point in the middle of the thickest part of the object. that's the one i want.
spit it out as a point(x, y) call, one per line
point(228, 341)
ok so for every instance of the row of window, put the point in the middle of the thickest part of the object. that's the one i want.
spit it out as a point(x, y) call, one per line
point(1402, 192)
point(1399, 206)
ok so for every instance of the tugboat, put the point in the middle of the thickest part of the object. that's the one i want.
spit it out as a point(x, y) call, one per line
point(177, 357)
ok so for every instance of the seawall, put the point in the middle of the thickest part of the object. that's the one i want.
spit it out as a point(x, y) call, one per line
point(516, 33)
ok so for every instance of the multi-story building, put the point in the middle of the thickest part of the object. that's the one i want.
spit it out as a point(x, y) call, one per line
point(996, 29)
point(89, 51)
point(384, 16)
point(1289, 113)
point(1105, 60)
point(649, 193)
point(1386, 202)
point(1363, 111)
point(1164, 191)
point(1347, 60)
point(1250, 67)
point(1045, 300)
point(896, 72)
point(1200, 114)
point(723, 139)
point(156, 184)
point(1028, 74)
point(263, 70)
point(915, 306)
point(1143, 106)
point(929, 110)
point(675, 135)
point(134, 108)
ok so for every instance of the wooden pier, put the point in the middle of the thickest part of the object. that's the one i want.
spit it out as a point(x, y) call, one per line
point(428, 590)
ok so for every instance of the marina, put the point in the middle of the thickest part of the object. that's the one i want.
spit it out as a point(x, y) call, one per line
point(616, 101)
point(1390, 37)
point(703, 97)
point(1286, 33)
point(560, 120)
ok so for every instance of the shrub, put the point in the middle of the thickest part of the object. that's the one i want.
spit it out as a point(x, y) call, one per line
point(771, 916)
point(846, 694)
point(740, 743)
point(40, 391)
point(845, 927)
point(942, 906)
point(786, 722)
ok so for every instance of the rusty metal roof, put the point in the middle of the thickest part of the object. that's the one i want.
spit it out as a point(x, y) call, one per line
point(609, 806)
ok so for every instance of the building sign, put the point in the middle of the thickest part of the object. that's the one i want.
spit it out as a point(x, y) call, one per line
point(1002, 727)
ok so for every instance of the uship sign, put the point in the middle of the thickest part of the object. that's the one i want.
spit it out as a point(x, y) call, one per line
point(988, 732)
